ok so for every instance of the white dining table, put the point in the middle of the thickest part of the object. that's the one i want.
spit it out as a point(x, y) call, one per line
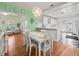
point(39, 38)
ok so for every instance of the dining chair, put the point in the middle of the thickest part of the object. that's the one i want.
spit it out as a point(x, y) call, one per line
point(47, 44)
point(2, 44)
point(29, 44)
point(6, 38)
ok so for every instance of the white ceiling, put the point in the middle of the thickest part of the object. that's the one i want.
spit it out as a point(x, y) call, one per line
point(42, 5)
point(66, 10)
point(56, 11)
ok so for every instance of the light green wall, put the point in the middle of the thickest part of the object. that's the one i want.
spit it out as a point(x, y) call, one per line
point(4, 7)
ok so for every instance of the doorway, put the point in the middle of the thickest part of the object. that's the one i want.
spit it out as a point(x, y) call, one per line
point(15, 42)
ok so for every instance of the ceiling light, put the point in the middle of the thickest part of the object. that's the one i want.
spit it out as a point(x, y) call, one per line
point(51, 5)
point(36, 11)
point(62, 12)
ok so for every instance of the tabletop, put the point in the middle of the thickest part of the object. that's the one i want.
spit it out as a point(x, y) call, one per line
point(38, 36)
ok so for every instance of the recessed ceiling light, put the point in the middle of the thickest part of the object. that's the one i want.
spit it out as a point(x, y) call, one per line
point(62, 12)
point(51, 5)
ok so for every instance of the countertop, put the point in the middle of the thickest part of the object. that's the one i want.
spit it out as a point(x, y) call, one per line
point(72, 37)
point(47, 28)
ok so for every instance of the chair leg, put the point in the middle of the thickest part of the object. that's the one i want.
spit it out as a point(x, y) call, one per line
point(50, 52)
point(52, 49)
point(36, 51)
point(26, 48)
point(2, 54)
point(44, 53)
point(30, 51)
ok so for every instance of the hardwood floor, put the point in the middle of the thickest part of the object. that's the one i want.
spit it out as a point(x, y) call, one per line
point(16, 47)
point(60, 49)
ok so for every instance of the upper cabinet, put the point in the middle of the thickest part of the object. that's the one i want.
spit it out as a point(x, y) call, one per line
point(49, 22)
point(70, 25)
point(67, 26)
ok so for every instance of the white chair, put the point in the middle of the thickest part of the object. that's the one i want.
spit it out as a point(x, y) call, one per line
point(29, 44)
point(47, 45)
point(6, 38)
point(2, 44)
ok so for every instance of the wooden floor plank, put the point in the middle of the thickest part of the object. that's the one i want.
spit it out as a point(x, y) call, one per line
point(16, 47)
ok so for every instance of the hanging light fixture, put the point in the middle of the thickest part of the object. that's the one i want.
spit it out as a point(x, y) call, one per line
point(36, 12)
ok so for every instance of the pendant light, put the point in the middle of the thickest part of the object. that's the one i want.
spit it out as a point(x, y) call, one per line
point(36, 12)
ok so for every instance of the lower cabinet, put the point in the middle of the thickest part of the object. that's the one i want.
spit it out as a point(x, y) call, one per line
point(70, 40)
point(76, 42)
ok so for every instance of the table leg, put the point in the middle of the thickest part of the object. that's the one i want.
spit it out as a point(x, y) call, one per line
point(39, 49)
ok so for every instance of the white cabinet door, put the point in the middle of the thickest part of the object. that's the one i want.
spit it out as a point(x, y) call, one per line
point(45, 21)
point(64, 39)
point(49, 22)
point(67, 26)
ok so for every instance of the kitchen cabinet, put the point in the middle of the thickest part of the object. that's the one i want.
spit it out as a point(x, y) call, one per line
point(70, 39)
point(76, 43)
point(73, 40)
point(64, 39)
point(49, 22)
point(69, 25)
